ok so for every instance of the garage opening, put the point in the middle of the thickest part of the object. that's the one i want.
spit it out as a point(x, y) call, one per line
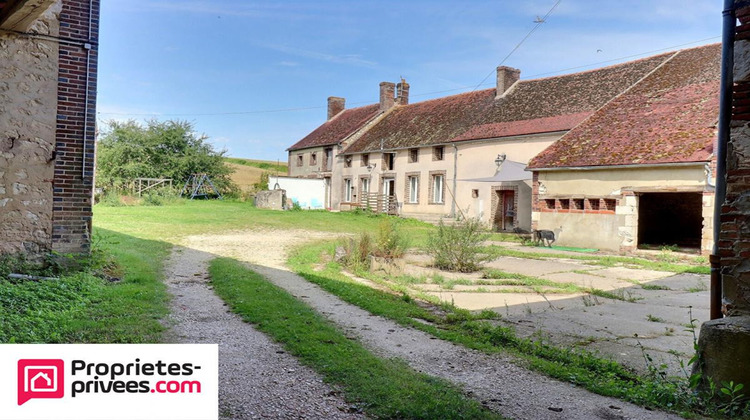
point(666, 219)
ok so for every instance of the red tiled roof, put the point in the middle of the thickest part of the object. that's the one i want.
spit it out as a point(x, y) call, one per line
point(517, 128)
point(338, 128)
point(532, 106)
point(668, 117)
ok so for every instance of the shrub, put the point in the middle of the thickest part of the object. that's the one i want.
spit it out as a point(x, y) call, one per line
point(458, 247)
point(390, 242)
point(357, 252)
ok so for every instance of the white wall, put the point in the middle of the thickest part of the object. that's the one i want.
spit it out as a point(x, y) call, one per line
point(308, 193)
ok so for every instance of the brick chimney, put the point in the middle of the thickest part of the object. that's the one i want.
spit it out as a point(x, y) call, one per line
point(402, 93)
point(506, 77)
point(335, 106)
point(387, 100)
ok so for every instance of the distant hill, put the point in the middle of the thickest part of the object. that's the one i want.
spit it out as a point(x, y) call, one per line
point(247, 171)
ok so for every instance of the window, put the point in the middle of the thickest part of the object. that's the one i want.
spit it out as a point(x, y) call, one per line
point(610, 204)
point(389, 160)
point(300, 160)
point(593, 203)
point(313, 159)
point(365, 159)
point(348, 190)
point(438, 152)
point(474, 193)
point(365, 182)
point(577, 204)
point(437, 188)
point(564, 203)
point(348, 162)
point(549, 203)
point(413, 189)
point(413, 155)
point(328, 164)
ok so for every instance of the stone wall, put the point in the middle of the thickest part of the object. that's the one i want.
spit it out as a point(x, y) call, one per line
point(47, 123)
point(28, 101)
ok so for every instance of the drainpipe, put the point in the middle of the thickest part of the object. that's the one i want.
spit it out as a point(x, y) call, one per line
point(725, 118)
point(87, 46)
point(455, 176)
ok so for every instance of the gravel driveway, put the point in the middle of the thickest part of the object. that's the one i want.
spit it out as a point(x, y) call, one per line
point(497, 382)
point(257, 378)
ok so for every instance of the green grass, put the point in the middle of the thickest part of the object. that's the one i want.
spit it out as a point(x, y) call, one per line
point(82, 308)
point(194, 217)
point(261, 164)
point(599, 375)
point(608, 261)
point(383, 388)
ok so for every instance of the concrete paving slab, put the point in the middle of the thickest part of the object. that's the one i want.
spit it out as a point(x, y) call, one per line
point(624, 273)
point(686, 282)
point(507, 303)
point(697, 300)
point(534, 268)
point(588, 280)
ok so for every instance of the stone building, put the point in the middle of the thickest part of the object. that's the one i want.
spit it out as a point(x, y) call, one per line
point(641, 170)
point(48, 56)
point(466, 155)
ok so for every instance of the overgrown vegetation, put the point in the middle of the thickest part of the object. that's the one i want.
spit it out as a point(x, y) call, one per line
point(458, 247)
point(160, 149)
point(578, 366)
point(382, 388)
point(389, 242)
point(112, 296)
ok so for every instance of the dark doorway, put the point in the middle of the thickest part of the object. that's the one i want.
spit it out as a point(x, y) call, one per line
point(666, 219)
point(505, 212)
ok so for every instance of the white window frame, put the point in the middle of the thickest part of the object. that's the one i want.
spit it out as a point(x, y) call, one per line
point(365, 185)
point(413, 189)
point(438, 195)
point(348, 190)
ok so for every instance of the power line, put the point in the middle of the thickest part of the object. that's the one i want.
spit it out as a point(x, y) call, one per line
point(268, 111)
point(539, 21)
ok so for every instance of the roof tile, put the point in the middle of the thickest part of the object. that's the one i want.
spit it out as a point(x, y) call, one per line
point(338, 128)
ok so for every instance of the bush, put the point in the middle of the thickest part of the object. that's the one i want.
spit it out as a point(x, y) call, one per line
point(357, 252)
point(389, 242)
point(459, 247)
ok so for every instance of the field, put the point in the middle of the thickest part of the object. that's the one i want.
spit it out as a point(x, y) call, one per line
point(247, 172)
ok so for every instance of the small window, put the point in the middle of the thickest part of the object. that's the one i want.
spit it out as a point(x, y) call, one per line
point(564, 204)
point(609, 204)
point(437, 189)
point(348, 162)
point(593, 204)
point(577, 203)
point(438, 153)
point(300, 160)
point(549, 203)
point(365, 185)
point(348, 190)
point(365, 159)
point(474, 193)
point(389, 160)
point(313, 159)
point(413, 155)
point(413, 189)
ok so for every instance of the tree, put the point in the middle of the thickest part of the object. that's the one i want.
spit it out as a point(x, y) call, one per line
point(161, 149)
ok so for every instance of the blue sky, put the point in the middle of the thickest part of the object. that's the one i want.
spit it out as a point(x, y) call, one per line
point(254, 76)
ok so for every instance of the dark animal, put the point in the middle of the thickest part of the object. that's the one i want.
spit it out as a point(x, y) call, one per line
point(546, 237)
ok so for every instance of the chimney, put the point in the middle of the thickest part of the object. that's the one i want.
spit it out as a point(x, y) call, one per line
point(335, 106)
point(402, 93)
point(387, 100)
point(506, 77)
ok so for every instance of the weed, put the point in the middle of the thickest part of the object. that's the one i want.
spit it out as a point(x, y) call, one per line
point(390, 241)
point(652, 318)
point(654, 287)
point(458, 247)
point(700, 286)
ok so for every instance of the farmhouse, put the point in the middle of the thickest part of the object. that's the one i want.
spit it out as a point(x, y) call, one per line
point(640, 170)
point(48, 56)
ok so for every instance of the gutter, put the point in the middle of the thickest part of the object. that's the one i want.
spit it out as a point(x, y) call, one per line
point(725, 118)
point(609, 167)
